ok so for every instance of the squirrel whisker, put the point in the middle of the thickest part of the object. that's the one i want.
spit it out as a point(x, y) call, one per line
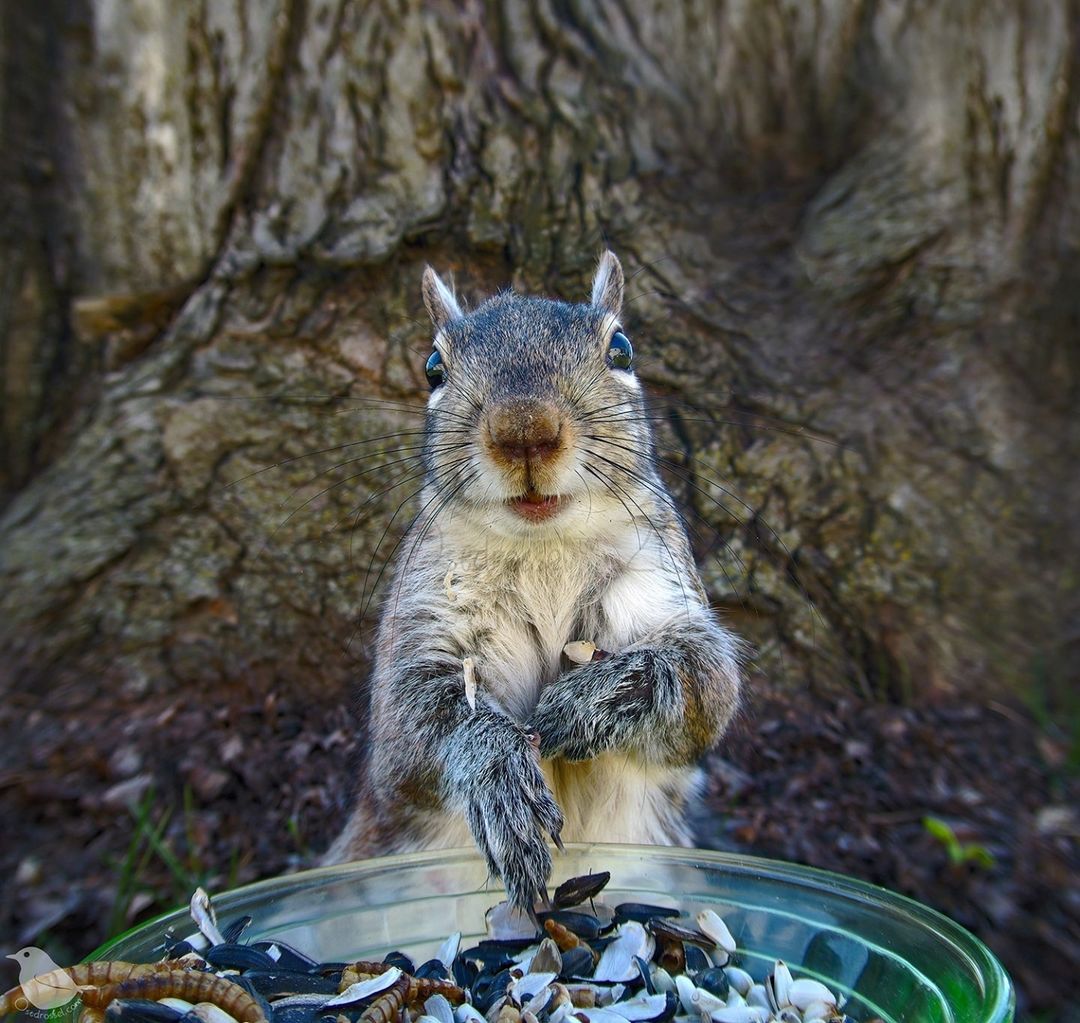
point(648, 519)
point(324, 451)
point(326, 490)
point(444, 474)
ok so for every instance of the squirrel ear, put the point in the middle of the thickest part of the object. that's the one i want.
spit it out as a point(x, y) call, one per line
point(441, 304)
point(607, 286)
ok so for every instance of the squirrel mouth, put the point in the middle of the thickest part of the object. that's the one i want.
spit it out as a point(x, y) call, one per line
point(535, 507)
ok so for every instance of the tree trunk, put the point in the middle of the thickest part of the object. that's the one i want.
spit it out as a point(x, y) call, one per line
point(850, 229)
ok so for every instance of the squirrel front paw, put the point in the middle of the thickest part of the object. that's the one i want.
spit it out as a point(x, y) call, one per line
point(509, 830)
point(595, 708)
point(509, 810)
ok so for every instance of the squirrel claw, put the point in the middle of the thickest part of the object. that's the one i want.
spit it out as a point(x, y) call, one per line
point(531, 911)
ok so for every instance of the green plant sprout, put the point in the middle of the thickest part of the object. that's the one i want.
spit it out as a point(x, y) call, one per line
point(959, 852)
point(148, 842)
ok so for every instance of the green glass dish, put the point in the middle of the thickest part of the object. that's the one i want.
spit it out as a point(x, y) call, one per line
point(892, 957)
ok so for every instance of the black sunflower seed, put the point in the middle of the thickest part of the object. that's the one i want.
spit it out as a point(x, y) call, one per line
point(465, 972)
point(670, 1008)
point(642, 912)
point(432, 968)
point(231, 956)
point(232, 931)
point(488, 989)
point(277, 983)
point(577, 962)
point(176, 947)
point(400, 960)
point(696, 960)
point(667, 929)
point(508, 946)
point(138, 1010)
point(646, 974)
point(714, 980)
point(286, 957)
point(579, 889)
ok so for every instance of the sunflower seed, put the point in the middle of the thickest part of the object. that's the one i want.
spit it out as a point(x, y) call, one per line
point(202, 912)
point(363, 990)
point(741, 1014)
point(580, 889)
point(238, 957)
point(642, 912)
point(740, 980)
point(448, 950)
point(138, 1010)
point(617, 960)
point(805, 991)
point(548, 958)
point(712, 925)
point(439, 1007)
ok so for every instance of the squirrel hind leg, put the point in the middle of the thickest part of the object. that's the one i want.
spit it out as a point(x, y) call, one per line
point(358, 839)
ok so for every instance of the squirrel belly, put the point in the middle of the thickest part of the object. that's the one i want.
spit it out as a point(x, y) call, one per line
point(615, 798)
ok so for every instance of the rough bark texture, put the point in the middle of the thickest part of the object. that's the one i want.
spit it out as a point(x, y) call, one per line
point(851, 228)
point(858, 218)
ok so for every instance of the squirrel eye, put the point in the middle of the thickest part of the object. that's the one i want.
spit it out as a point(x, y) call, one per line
point(620, 353)
point(435, 370)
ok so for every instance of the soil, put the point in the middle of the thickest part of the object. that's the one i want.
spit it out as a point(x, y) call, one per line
point(846, 785)
point(113, 813)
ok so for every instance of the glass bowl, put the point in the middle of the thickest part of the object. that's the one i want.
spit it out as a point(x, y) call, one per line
point(893, 958)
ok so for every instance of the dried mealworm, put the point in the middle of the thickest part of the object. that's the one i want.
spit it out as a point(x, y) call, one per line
point(566, 939)
point(672, 955)
point(187, 984)
point(85, 975)
point(386, 1007)
point(422, 988)
point(509, 1013)
point(583, 997)
point(361, 970)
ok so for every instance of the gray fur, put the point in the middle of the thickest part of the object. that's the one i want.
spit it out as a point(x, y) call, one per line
point(619, 737)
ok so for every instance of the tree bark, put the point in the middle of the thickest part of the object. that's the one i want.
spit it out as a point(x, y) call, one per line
point(851, 230)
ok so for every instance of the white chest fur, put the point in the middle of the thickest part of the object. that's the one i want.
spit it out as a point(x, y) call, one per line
point(513, 605)
point(514, 616)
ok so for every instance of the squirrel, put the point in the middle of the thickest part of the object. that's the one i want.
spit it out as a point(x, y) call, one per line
point(545, 529)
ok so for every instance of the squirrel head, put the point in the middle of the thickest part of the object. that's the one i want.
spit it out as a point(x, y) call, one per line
point(536, 419)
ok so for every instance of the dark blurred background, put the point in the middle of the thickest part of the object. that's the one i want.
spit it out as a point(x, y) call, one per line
point(851, 231)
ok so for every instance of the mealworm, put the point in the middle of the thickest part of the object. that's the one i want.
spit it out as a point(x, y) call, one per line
point(360, 970)
point(187, 984)
point(83, 975)
point(389, 1003)
point(420, 988)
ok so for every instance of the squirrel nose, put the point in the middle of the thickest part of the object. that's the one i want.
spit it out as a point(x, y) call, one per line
point(524, 431)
